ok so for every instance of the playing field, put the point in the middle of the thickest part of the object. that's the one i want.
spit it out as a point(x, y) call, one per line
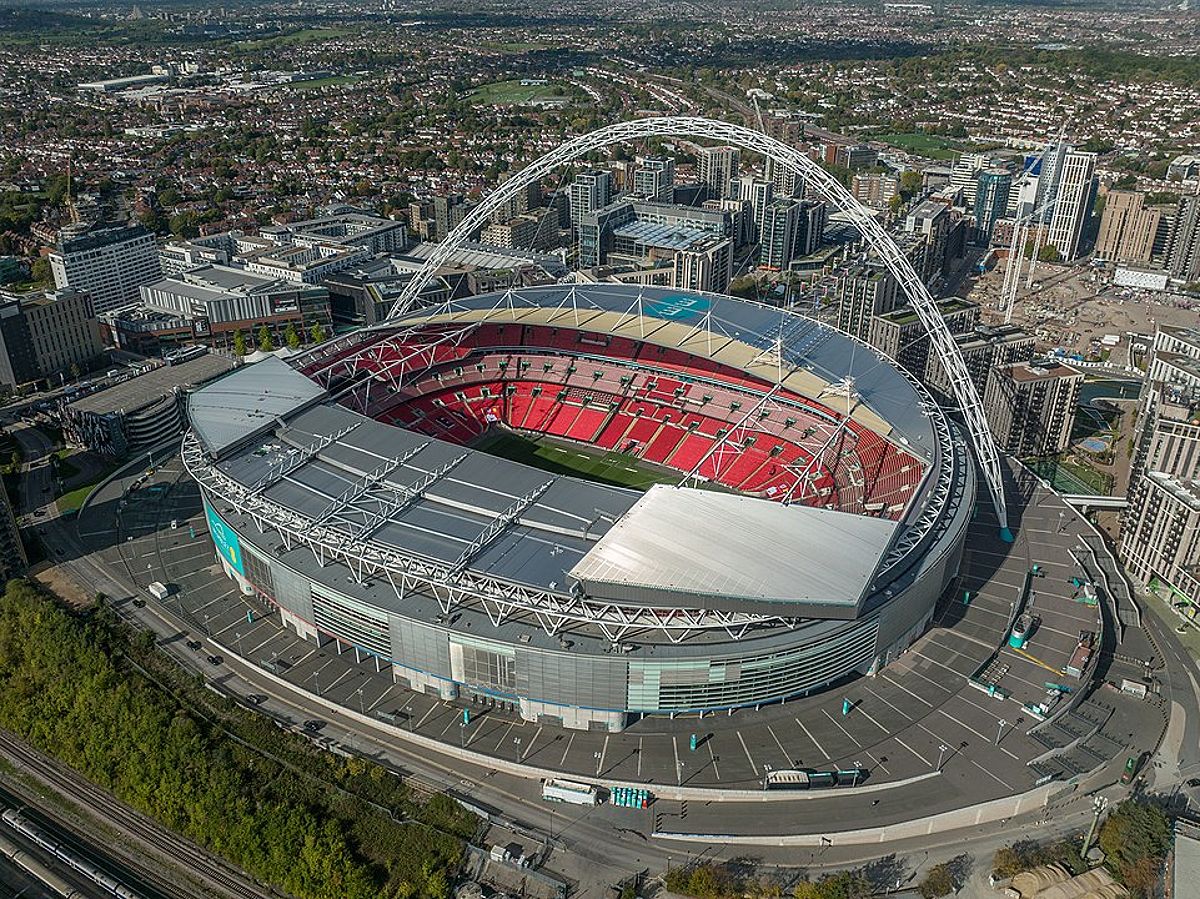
point(929, 145)
point(514, 93)
point(574, 460)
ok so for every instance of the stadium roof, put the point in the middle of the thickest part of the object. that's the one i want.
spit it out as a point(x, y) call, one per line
point(251, 399)
point(680, 541)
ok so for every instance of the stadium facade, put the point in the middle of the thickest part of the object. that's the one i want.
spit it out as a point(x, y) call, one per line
point(812, 503)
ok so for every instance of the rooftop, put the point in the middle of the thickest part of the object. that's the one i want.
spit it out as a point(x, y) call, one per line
point(1041, 370)
point(136, 393)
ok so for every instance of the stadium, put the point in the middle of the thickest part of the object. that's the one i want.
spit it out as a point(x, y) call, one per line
point(591, 503)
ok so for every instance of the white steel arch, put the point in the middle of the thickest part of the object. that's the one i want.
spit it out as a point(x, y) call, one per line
point(828, 187)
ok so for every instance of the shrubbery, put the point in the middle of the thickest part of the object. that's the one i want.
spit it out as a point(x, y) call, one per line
point(315, 825)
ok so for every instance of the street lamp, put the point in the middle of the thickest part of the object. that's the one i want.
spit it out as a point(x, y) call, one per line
point(517, 744)
point(1000, 731)
point(941, 753)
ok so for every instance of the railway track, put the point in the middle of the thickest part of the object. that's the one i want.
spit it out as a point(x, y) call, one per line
point(225, 880)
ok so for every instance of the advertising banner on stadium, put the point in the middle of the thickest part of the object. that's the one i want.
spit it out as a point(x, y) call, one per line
point(225, 540)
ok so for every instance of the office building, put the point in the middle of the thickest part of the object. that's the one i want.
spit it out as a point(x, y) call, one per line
point(654, 179)
point(991, 201)
point(589, 192)
point(1183, 246)
point(1073, 202)
point(863, 292)
point(611, 229)
point(107, 263)
point(1030, 406)
point(857, 156)
point(209, 305)
point(47, 336)
point(1127, 228)
point(716, 168)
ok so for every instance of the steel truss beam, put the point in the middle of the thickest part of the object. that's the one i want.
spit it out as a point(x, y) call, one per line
point(501, 600)
point(815, 177)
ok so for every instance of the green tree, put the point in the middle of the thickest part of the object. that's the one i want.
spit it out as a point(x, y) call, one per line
point(317, 333)
point(1135, 839)
point(291, 336)
point(910, 183)
point(239, 343)
point(40, 271)
point(265, 343)
point(937, 883)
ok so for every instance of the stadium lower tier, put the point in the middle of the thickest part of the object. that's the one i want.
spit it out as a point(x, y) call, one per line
point(576, 680)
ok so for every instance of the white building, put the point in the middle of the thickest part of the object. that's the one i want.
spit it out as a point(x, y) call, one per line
point(109, 264)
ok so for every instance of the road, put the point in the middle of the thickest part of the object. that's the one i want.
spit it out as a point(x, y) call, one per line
point(589, 846)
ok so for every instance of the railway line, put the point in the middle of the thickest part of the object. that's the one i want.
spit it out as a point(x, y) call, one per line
point(215, 875)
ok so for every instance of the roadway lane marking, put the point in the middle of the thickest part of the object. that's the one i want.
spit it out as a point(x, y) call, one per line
point(449, 723)
point(894, 708)
point(341, 677)
point(849, 736)
point(639, 758)
point(563, 760)
point(891, 680)
point(529, 747)
point(603, 753)
point(914, 752)
point(678, 764)
point(428, 712)
point(500, 742)
point(879, 763)
point(820, 748)
point(786, 758)
point(711, 755)
point(382, 696)
point(271, 637)
point(978, 734)
point(749, 757)
point(866, 715)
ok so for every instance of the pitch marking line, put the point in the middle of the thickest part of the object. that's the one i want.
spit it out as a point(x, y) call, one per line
point(814, 740)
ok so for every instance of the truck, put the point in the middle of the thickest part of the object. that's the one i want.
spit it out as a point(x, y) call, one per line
point(555, 790)
point(159, 590)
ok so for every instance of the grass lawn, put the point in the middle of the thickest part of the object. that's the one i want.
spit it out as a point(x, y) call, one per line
point(575, 460)
point(513, 46)
point(66, 469)
point(513, 93)
point(932, 146)
point(295, 38)
point(73, 499)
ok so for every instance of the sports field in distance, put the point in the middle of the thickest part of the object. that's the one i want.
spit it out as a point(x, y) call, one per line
point(514, 93)
point(574, 460)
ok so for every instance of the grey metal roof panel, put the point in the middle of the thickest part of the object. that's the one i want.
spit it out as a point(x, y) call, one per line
point(450, 524)
point(529, 556)
point(680, 541)
point(248, 400)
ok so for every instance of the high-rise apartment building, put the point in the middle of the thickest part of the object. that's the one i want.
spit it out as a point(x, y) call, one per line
point(991, 201)
point(901, 335)
point(654, 178)
point(1030, 406)
point(874, 189)
point(1183, 246)
point(1127, 228)
point(107, 263)
point(777, 234)
point(448, 212)
point(759, 194)
point(787, 180)
point(964, 176)
point(706, 264)
point(864, 292)
point(589, 192)
point(1073, 202)
point(716, 168)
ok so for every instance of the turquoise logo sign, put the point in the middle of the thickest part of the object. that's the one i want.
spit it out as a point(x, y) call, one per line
point(225, 540)
point(677, 306)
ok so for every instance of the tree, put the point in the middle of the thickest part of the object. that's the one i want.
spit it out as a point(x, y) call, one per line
point(291, 336)
point(239, 343)
point(40, 271)
point(1135, 839)
point(317, 333)
point(1049, 253)
point(937, 883)
point(265, 343)
point(910, 183)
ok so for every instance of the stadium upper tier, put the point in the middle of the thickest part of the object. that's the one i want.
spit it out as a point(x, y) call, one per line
point(814, 508)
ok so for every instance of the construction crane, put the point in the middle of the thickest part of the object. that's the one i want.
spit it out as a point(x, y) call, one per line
point(1020, 234)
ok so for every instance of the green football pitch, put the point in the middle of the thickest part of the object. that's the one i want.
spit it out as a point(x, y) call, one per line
point(574, 460)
